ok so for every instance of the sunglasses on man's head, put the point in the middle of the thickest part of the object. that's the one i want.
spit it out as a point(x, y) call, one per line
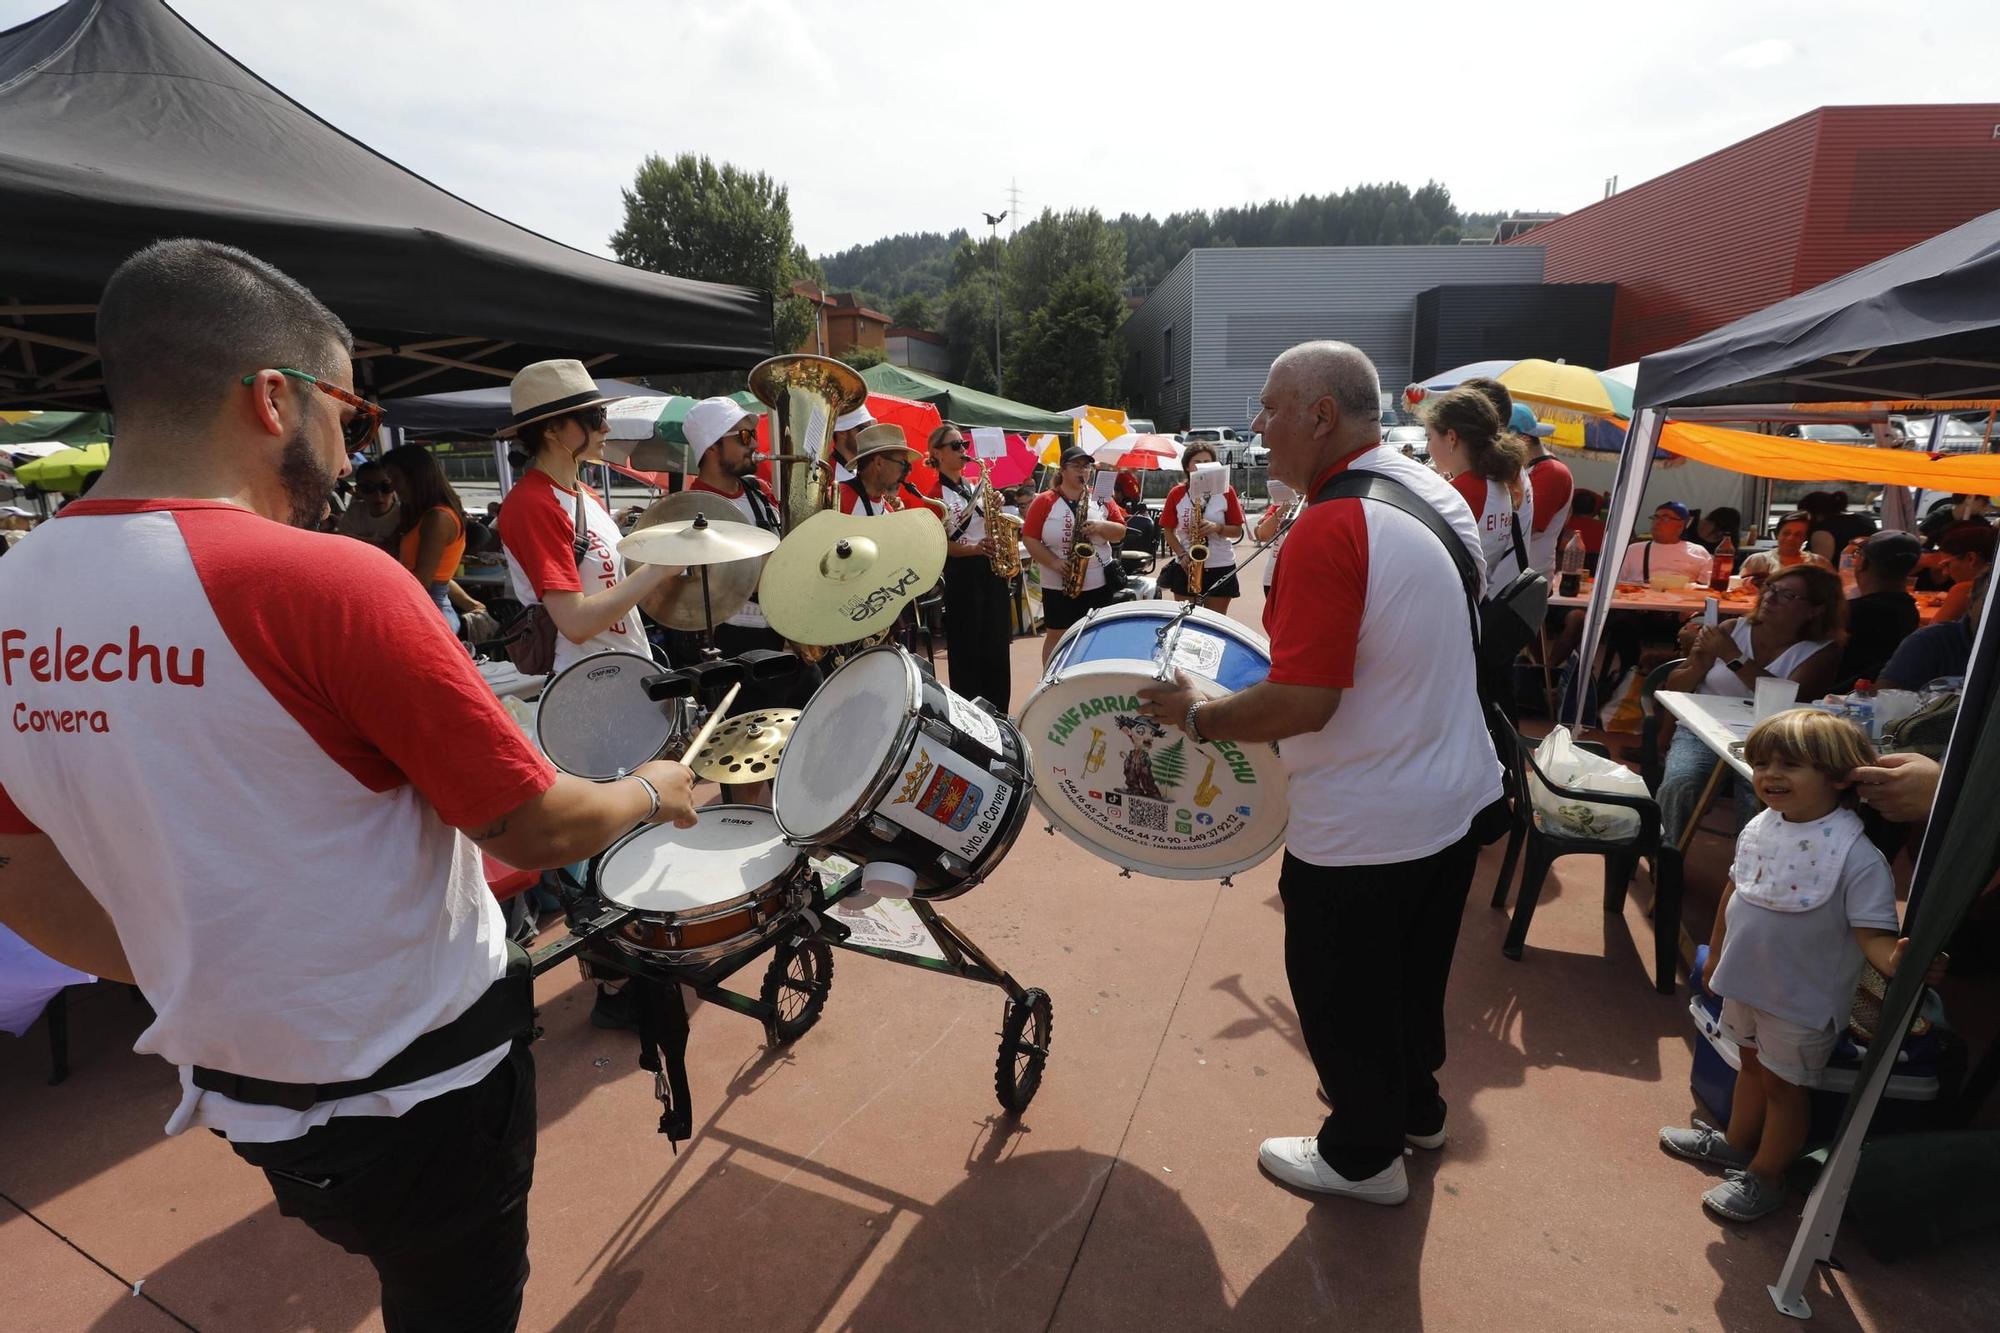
point(356, 430)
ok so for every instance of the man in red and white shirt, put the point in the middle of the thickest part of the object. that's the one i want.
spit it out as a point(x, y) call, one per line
point(880, 482)
point(1059, 520)
point(240, 775)
point(1554, 490)
point(1372, 693)
point(722, 438)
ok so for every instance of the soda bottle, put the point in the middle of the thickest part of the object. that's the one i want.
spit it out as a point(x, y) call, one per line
point(1570, 563)
point(1725, 565)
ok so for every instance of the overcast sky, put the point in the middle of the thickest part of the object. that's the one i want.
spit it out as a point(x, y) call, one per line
point(887, 117)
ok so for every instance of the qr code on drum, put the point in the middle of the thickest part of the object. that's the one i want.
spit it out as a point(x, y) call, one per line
point(1142, 813)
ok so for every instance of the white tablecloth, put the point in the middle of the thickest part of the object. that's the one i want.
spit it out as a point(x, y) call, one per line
point(28, 981)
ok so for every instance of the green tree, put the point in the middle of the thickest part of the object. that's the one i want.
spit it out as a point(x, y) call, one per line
point(1067, 351)
point(863, 357)
point(968, 328)
point(695, 219)
point(1051, 248)
point(912, 311)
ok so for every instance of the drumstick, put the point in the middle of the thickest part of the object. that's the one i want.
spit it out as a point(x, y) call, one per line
point(708, 727)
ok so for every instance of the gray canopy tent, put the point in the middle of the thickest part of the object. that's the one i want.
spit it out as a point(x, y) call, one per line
point(121, 124)
point(1920, 328)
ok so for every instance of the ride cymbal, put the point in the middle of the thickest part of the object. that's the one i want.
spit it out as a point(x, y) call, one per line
point(678, 605)
point(839, 578)
point(697, 541)
point(746, 748)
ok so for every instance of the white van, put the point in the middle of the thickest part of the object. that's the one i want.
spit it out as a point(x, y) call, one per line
point(1226, 441)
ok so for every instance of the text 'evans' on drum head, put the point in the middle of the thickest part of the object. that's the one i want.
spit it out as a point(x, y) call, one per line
point(842, 742)
point(732, 851)
point(1139, 793)
point(595, 720)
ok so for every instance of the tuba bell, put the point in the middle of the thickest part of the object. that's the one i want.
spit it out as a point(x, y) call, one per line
point(805, 393)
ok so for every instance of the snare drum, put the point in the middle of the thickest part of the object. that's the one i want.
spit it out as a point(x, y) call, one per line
point(1136, 792)
point(704, 893)
point(887, 765)
point(595, 721)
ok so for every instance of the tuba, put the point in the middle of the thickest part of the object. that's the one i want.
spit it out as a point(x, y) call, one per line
point(805, 393)
point(1003, 530)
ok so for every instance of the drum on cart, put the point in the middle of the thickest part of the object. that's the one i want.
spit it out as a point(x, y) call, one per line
point(1135, 792)
point(704, 893)
point(595, 721)
point(888, 766)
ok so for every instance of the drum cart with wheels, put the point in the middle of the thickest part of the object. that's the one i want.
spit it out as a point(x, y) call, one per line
point(792, 995)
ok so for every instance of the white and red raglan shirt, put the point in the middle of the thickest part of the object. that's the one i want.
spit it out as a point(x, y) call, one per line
point(1555, 491)
point(1368, 601)
point(255, 746)
point(1493, 509)
point(537, 527)
point(759, 508)
point(1223, 507)
point(1051, 520)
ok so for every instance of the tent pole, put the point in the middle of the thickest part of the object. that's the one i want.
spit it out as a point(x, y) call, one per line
point(1976, 736)
point(502, 469)
point(1627, 489)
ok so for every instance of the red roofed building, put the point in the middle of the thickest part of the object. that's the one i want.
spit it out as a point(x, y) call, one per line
point(844, 323)
point(1774, 215)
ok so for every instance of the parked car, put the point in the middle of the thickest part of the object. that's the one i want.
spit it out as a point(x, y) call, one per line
point(1140, 425)
point(1255, 454)
point(1226, 441)
point(1415, 438)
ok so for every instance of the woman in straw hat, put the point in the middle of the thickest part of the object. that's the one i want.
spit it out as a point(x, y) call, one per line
point(559, 420)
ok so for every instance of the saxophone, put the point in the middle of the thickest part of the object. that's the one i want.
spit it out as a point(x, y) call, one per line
point(1197, 551)
point(1003, 530)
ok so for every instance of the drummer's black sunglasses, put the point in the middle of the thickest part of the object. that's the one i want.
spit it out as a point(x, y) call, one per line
point(356, 430)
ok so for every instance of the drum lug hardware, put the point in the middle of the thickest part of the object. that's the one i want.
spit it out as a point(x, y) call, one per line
point(881, 828)
point(937, 731)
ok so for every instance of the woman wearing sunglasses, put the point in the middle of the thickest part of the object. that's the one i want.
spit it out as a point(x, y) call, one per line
point(559, 420)
point(374, 516)
point(1795, 633)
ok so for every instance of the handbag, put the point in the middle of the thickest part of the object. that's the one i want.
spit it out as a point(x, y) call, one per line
point(533, 649)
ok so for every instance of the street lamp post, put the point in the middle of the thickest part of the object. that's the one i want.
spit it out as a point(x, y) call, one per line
point(999, 381)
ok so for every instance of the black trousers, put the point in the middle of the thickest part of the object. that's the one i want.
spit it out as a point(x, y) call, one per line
point(796, 692)
point(978, 630)
point(436, 1198)
point(1368, 952)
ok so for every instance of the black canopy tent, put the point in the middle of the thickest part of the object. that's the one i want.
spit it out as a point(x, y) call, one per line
point(121, 124)
point(478, 414)
point(1920, 327)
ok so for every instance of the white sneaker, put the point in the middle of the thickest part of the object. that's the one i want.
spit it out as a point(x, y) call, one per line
point(1296, 1162)
point(1431, 1141)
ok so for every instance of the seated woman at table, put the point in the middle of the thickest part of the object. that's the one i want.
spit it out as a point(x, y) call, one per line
point(1943, 649)
point(1881, 614)
point(1791, 551)
point(1794, 633)
point(1666, 552)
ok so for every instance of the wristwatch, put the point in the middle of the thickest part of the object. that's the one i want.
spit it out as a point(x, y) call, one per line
point(1188, 723)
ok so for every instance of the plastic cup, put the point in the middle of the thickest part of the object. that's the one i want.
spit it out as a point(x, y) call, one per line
point(1774, 695)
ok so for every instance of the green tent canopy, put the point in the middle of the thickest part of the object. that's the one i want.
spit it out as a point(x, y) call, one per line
point(76, 428)
point(966, 407)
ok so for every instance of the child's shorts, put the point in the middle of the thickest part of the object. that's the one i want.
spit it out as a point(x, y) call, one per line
point(1792, 1051)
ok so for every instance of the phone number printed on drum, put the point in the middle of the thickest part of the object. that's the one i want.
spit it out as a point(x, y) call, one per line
point(1150, 823)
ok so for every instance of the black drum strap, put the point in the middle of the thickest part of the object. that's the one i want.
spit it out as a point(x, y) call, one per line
point(663, 1040)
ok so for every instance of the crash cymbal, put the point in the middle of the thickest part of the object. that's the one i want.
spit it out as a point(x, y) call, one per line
point(697, 541)
point(839, 578)
point(678, 604)
point(746, 747)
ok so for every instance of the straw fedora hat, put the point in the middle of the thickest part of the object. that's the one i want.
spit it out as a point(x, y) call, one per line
point(549, 389)
point(881, 438)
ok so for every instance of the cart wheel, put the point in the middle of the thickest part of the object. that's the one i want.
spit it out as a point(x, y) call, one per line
point(795, 986)
point(1024, 1049)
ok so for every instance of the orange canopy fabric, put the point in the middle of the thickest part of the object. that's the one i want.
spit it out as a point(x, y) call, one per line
point(1785, 459)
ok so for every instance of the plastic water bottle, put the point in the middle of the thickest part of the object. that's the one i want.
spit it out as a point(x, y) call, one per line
point(1850, 562)
point(1725, 565)
point(1570, 562)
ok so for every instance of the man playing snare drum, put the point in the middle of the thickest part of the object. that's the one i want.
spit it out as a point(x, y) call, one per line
point(263, 816)
point(1372, 692)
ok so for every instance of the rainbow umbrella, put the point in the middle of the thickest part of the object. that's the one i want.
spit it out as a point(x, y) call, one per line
point(1581, 403)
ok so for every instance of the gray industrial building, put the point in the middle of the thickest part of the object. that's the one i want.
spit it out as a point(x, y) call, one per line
point(1196, 352)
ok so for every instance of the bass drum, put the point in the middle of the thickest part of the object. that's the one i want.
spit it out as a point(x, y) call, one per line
point(704, 893)
point(595, 721)
point(886, 765)
point(1131, 790)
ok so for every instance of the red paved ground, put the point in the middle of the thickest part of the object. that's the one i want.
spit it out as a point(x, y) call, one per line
point(865, 1179)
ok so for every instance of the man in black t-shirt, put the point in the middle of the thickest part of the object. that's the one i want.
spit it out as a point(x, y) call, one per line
point(1881, 614)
